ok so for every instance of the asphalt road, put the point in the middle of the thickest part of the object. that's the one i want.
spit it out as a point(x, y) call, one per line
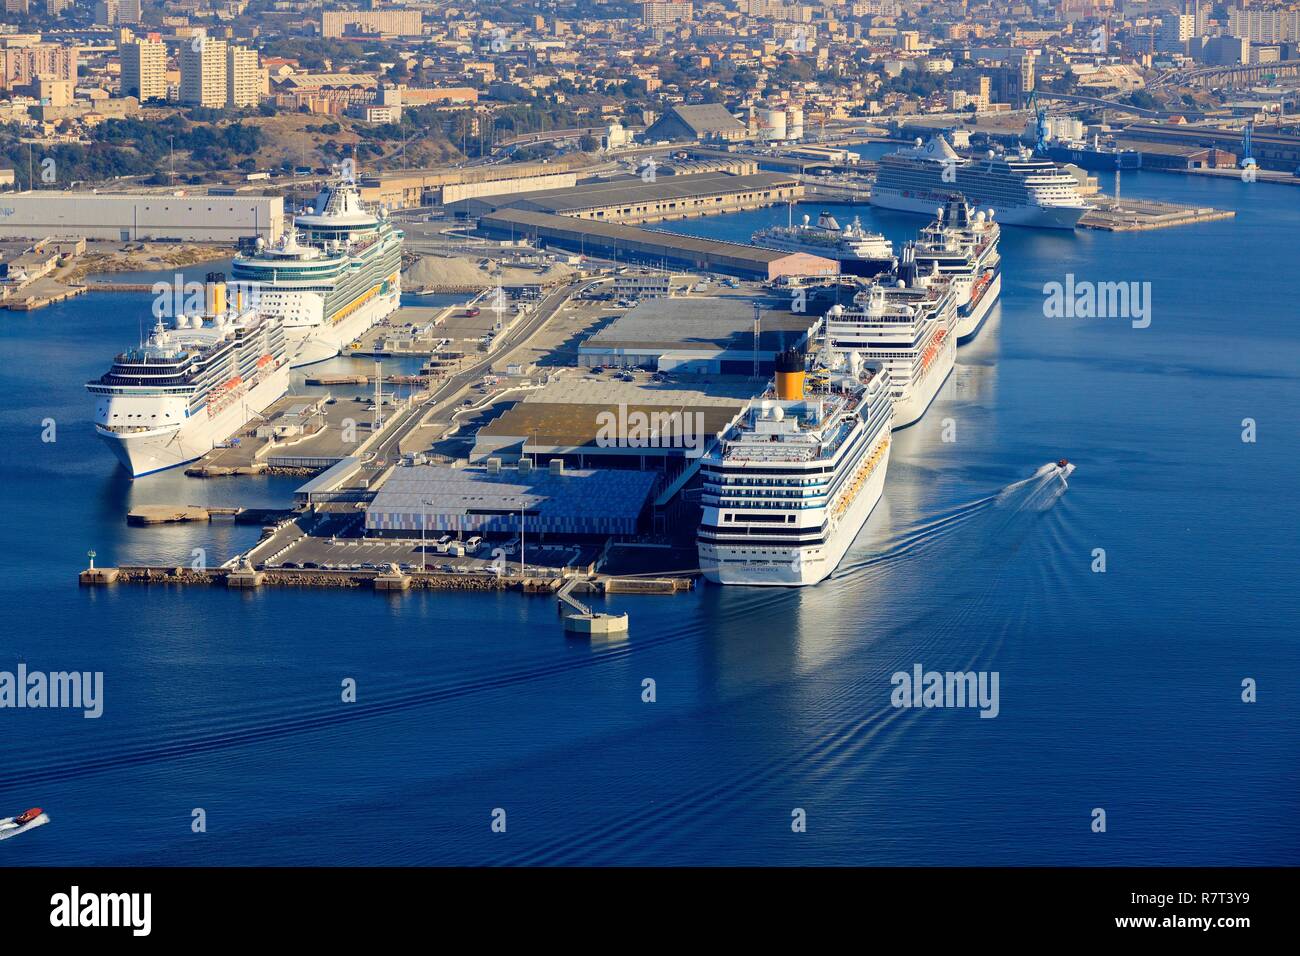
point(453, 388)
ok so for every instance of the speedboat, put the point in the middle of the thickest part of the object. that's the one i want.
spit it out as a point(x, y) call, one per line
point(27, 820)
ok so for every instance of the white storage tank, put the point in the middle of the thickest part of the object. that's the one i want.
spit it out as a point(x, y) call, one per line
point(771, 125)
point(794, 122)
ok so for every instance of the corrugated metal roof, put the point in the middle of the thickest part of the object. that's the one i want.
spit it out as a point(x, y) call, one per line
point(631, 190)
point(633, 235)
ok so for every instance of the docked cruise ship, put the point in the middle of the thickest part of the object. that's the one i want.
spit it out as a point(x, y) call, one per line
point(192, 386)
point(907, 329)
point(796, 476)
point(963, 246)
point(858, 251)
point(1022, 189)
point(332, 276)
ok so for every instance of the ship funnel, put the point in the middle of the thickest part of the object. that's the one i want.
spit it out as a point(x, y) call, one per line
point(214, 293)
point(789, 376)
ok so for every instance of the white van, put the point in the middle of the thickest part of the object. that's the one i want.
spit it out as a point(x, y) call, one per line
point(472, 545)
point(444, 543)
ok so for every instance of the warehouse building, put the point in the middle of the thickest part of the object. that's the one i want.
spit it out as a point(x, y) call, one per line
point(701, 123)
point(495, 501)
point(606, 423)
point(131, 218)
point(627, 244)
point(632, 199)
point(1271, 150)
point(696, 335)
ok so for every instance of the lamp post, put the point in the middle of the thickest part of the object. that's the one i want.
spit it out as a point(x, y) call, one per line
point(424, 521)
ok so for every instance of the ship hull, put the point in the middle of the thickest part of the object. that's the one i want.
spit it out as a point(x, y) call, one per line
point(970, 322)
point(1099, 161)
point(318, 343)
point(796, 567)
point(146, 452)
point(921, 395)
point(1038, 217)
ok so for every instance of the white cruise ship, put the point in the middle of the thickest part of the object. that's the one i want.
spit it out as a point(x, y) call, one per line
point(907, 330)
point(334, 274)
point(963, 246)
point(1024, 190)
point(192, 386)
point(796, 476)
point(858, 251)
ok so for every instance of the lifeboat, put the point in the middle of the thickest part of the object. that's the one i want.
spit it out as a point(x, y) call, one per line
point(27, 816)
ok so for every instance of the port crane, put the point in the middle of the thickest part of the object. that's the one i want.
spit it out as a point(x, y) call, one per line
point(1040, 122)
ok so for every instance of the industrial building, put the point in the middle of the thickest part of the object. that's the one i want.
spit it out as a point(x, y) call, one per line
point(696, 335)
point(1271, 150)
point(615, 436)
point(631, 199)
point(661, 249)
point(409, 188)
point(707, 121)
point(129, 218)
point(439, 499)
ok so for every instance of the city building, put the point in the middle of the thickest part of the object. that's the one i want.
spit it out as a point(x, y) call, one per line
point(243, 78)
point(204, 73)
point(144, 70)
point(399, 23)
point(23, 64)
point(659, 14)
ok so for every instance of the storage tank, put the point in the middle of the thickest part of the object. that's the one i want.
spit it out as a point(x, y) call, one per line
point(771, 125)
point(794, 122)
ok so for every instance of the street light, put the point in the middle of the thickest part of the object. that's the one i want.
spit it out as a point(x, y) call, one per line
point(424, 520)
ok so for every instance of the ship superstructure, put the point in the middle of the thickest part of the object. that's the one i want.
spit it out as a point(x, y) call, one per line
point(1022, 188)
point(858, 251)
point(333, 275)
point(797, 474)
point(904, 325)
point(962, 246)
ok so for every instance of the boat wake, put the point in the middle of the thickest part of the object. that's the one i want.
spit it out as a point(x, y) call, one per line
point(1040, 490)
point(10, 827)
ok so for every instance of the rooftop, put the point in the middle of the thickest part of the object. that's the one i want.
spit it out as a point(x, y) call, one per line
point(628, 190)
point(601, 494)
point(712, 323)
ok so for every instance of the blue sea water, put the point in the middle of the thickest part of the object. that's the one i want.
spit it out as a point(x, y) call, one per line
point(1118, 690)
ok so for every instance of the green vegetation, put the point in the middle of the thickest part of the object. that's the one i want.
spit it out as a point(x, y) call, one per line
point(130, 147)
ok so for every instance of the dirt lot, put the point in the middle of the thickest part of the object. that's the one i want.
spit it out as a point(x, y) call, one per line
point(102, 258)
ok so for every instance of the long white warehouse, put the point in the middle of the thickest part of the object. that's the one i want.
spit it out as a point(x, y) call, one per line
point(128, 218)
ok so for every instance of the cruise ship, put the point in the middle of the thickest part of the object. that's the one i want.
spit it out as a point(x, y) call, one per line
point(796, 476)
point(907, 329)
point(332, 276)
point(1023, 190)
point(858, 251)
point(963, 246)
point(190, 387)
